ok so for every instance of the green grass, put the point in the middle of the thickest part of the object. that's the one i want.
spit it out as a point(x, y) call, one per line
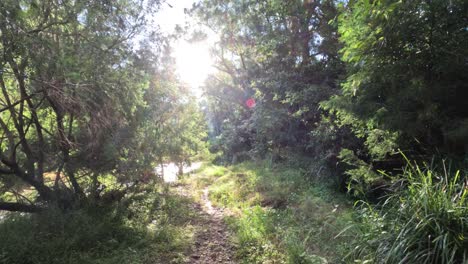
point(277, 214)
point(148, 226)
point(280, 216)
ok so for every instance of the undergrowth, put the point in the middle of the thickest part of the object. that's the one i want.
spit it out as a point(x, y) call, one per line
point(280, 216)
point(148, 226)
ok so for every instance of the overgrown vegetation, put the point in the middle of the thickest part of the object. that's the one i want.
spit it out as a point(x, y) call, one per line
point(279, 215)
point(350, 82)
point(313, 105)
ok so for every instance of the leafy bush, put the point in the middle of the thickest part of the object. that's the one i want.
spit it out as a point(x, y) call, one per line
point(424, 222)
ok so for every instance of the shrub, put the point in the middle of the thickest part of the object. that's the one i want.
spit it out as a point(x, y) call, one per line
point(146, 227)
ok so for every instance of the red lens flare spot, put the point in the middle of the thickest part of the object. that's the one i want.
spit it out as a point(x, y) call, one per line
point(250, 103)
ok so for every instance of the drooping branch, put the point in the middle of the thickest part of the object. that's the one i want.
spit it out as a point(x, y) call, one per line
point(19, 207)
point(64, 143)
point(16, 103)
point(44, 191)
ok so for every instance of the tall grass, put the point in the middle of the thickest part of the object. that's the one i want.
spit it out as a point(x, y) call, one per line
point(424, 222)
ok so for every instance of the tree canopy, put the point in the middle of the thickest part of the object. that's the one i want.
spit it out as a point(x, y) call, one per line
point(83, 95)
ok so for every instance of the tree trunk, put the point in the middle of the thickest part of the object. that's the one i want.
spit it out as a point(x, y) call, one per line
point(181, 168)
point(161, 162)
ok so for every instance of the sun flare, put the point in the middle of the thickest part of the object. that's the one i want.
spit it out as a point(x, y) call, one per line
point(194, 63)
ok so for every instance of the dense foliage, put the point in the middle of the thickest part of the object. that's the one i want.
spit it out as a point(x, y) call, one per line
point(283, 54)
point(406, 79)
point(339, 81)
point(148, 226)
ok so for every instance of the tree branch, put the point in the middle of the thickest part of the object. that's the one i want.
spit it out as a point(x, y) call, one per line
point(19, 207)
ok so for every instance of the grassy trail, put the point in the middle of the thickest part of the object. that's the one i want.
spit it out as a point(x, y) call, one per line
point(275, 215)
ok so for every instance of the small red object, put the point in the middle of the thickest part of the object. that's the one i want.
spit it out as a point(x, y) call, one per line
point(250, 103)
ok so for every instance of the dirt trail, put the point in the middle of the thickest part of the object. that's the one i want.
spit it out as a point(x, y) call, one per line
point(211, 243)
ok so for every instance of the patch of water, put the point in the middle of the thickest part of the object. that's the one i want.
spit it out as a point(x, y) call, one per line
point(171, 170)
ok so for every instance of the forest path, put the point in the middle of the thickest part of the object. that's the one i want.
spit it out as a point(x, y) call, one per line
point(212, 243)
